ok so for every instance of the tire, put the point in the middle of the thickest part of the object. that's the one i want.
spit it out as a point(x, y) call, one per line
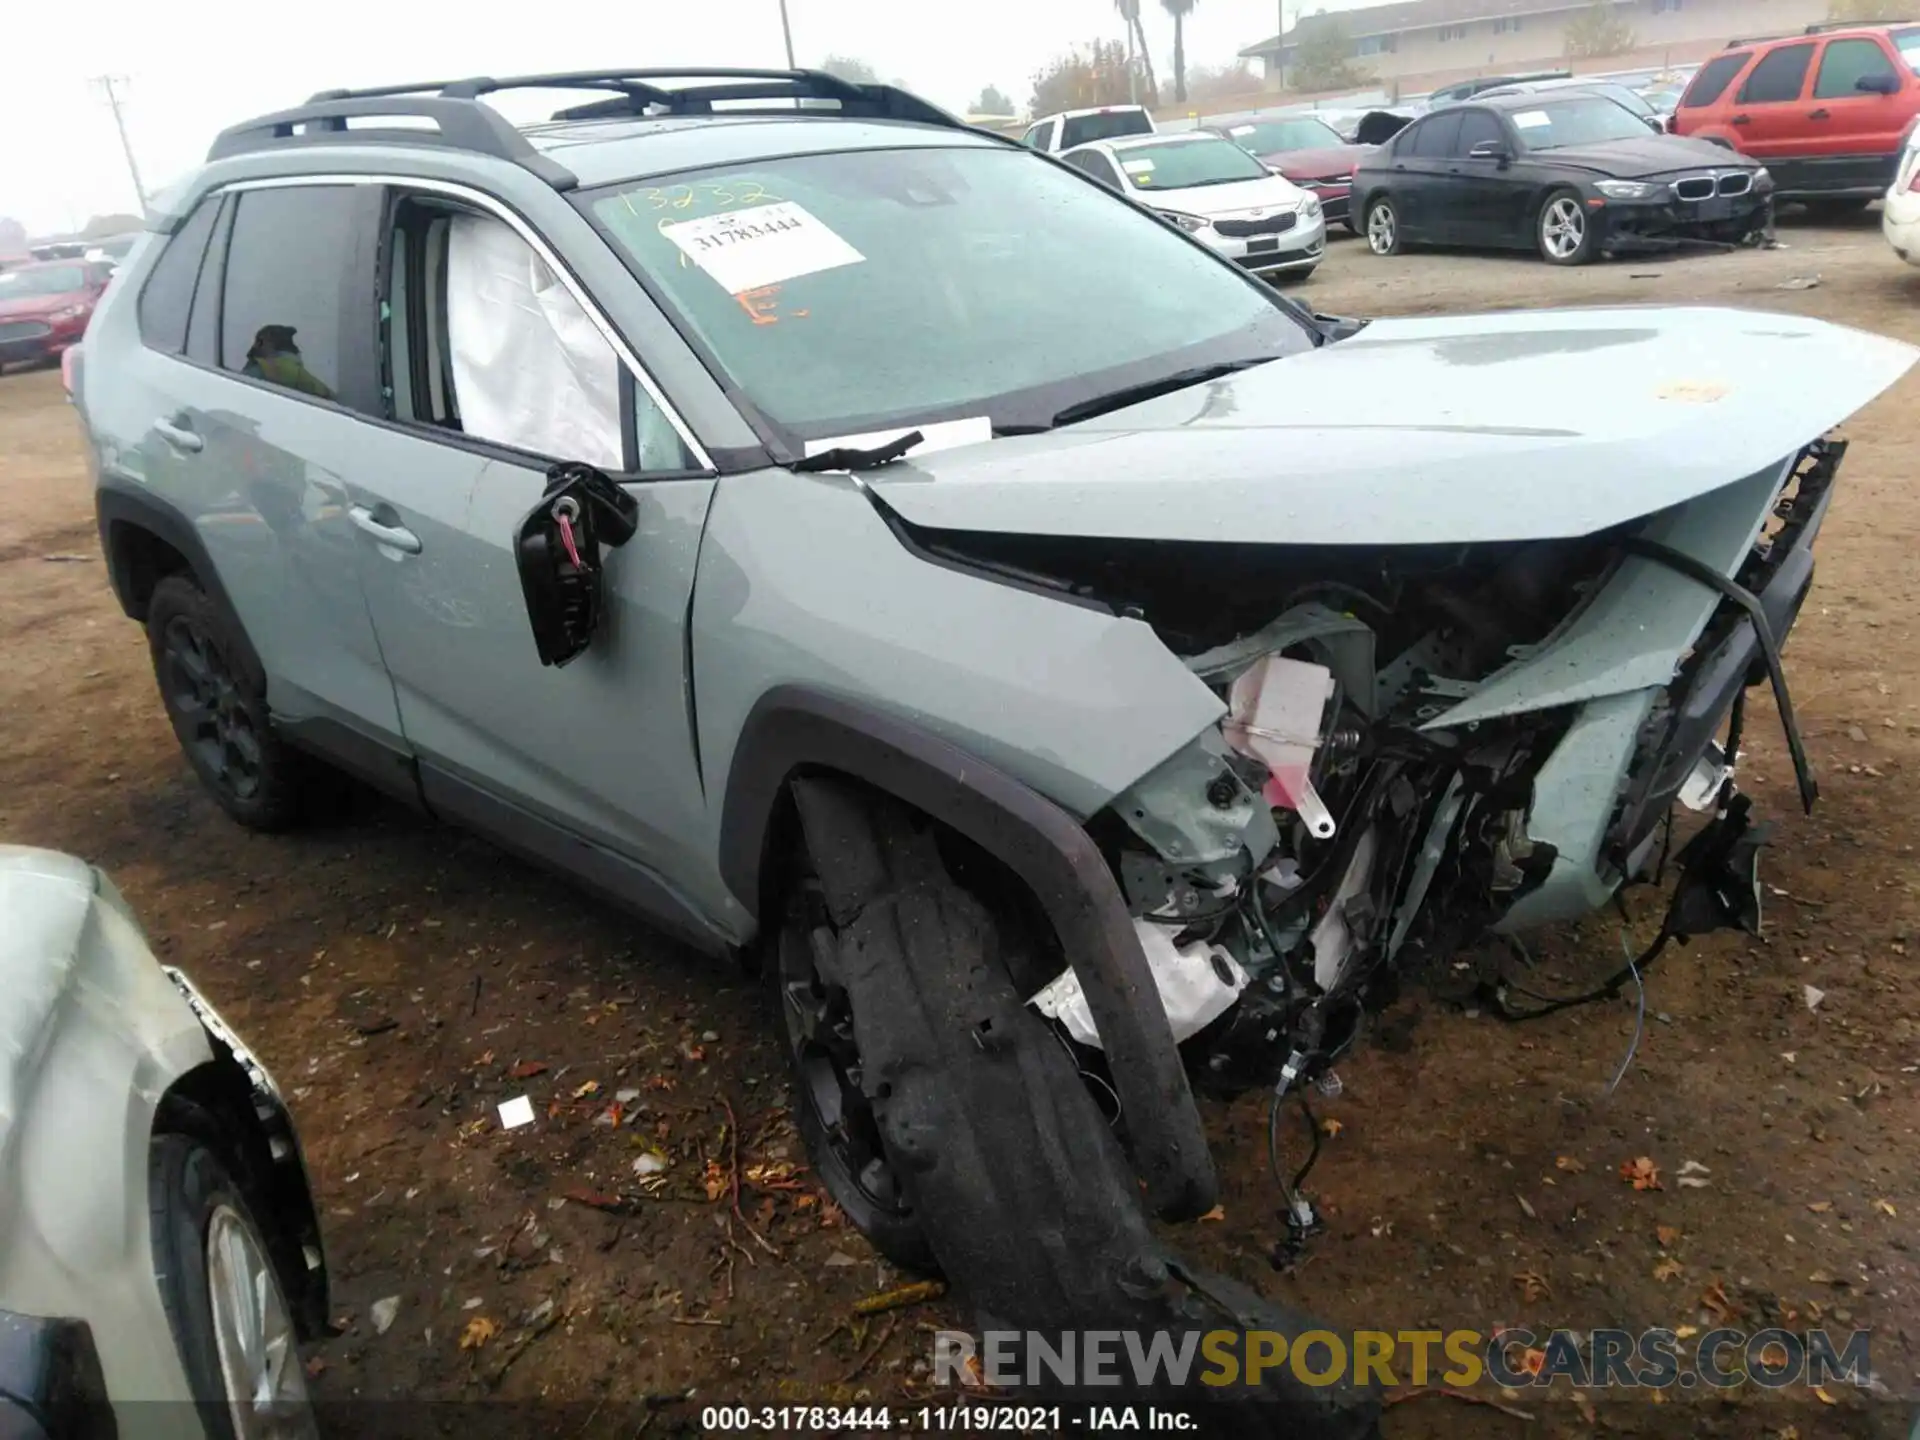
point(218, 715)
point(1382, 227)
point(1014, 1176)
point(1563, 231)
point(201, 1224)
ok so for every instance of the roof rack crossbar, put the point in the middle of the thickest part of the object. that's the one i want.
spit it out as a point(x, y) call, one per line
point(462, 121)
point(1823, 27)
point(457, 125)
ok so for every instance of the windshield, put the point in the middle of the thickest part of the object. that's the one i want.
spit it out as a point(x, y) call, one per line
point(1909, 43)
point(1272, 137)
point(854, 292)
point(55, 280)
point(1627, 99)
point(1556, 124)
point(1103, 125)
point(1186, 164)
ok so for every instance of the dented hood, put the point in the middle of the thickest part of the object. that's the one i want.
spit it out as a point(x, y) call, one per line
point(1456, 429)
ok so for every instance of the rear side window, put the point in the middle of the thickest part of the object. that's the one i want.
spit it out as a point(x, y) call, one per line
point(1845, 63)
point(287, 263)
point(1780, 76)
point(166, 300)
point(1105, 126)
point(1437, 139)
point(1714, 78)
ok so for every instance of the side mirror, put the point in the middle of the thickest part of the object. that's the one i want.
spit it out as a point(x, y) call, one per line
point(1491, 150)
point(1883, 83)
point(557, 550)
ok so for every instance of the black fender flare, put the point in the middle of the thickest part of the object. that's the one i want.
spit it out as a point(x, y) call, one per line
point(793, 730)
point(115, 509)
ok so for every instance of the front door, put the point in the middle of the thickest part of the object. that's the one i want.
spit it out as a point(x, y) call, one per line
point(1421, 161)
point(1854, 135)
point(495, 372)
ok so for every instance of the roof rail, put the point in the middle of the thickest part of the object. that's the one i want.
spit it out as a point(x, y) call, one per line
point(1821, 28)
point(462, 121)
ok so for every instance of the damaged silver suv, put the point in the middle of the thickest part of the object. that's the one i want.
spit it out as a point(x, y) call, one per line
point(1073, 671)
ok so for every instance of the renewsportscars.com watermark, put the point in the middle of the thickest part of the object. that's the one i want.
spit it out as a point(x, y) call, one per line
point(1513, 1357)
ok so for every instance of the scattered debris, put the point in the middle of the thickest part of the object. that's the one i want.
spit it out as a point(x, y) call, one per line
point(1885, 1207)
point(1667, 1235)
point(599, 1200)
point(479, 1330)
point(1714, 1301)
point(1667, 1268)
point(383, 1313)
point(836, 1260)
point(1800, 282)
point(1525, 1206)
point(651, 1162)
point(1533, 1286)
point(63, 559)
point(1820, 1207)
point(1568, 1163)
point(1814, 995)
point(590, 1087)
point(1694, 1176)
point(527, 1069)
point(1331, 1128)
point(516, 1112)
point(917, 1293)
point(1641, 1173)
point(1219, 1212)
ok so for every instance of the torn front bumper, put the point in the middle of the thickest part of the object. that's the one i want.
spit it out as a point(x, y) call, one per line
point(1626, 758)
point(1657, 224)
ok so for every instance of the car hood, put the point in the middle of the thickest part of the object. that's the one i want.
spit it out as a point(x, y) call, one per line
point(1651, 155)
point(45, 899)
point(1269, 192)
point(1313, 164)
point(1455, 429)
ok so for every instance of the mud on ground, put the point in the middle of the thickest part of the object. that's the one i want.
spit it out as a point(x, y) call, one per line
point(401, 979)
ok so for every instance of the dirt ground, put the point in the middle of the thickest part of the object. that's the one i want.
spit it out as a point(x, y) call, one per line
point(402, 979)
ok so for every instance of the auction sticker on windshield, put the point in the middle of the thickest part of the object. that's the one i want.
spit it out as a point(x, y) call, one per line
point(746, 249)
point(1532, 119)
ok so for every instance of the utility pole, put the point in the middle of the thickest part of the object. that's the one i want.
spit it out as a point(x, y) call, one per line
point(786, 29)
point(1133, 67)
point(107, 83)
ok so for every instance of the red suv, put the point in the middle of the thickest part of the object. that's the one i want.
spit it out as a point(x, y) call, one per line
point(1827, 111)
point(44, 308)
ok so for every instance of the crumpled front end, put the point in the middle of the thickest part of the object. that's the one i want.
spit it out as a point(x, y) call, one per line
point(1423, 745)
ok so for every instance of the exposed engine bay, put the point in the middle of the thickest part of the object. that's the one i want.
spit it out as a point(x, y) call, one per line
point(1336, 835)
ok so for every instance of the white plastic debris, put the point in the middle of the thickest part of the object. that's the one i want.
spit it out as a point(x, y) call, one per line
point(1694, 1176)
point(1813, 995)
point(516, 1112)
point(649, 1163)
point(1197, 984)
point(384, 1312)
point(1274, 715)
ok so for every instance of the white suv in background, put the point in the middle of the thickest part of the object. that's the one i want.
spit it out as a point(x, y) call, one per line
point(1069, 128)
point(1902, 218)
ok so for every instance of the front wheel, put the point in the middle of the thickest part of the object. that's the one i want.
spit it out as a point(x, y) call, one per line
point(1383, 226)
point(231, 1321)
point(1565, 232)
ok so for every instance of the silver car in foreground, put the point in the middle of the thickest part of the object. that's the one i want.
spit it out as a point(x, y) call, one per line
point(160, 1256)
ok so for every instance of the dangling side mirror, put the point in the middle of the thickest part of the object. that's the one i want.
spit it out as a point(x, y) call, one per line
point(556, 547)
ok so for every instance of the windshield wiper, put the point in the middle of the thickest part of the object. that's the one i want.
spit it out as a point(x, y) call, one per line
point(851, 458)
point(1148, 389)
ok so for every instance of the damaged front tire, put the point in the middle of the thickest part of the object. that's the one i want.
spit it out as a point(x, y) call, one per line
point(1009, 1169)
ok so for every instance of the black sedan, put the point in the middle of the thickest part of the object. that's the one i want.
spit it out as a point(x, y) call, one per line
point(1573, 176)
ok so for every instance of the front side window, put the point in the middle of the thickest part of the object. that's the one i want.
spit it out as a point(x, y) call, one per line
point(846, 293)
point(1844, 64)
point(287, 262)
point(1092, 162)
point(1558, 124)
point(1714, 78)
point(166, 300)
point(1780, 76)
point(1479, 127)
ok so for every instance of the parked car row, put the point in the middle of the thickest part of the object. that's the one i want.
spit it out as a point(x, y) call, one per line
point(45, 307)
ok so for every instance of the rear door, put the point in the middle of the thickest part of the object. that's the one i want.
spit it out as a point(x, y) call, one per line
point(1853, 134)
point(1769, 117)
point(1706, 103)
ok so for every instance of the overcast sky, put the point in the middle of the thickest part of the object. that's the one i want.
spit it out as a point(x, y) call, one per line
point(193, 66)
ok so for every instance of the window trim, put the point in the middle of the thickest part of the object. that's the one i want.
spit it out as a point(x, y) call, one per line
point(505, 212)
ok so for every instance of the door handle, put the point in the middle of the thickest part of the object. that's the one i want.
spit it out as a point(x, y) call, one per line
point(397, 536)
point(178, 436)
point(1742, 120)
point(1821, 115)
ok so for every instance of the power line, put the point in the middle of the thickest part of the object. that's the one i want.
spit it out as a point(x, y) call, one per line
point(786, 29)
point(108, 84)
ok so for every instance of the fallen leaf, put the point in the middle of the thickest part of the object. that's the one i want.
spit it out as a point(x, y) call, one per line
point(1667, 1269)
point(589, 1088)
point(694, 1052)
point(1825, 1398)
point(1219, 1212)
point(716, 1181)
point(1773, 1356)
point(1525, 1206)
point(1533, 1286)
point(1820, 1207)
point(1568, 1163)
point(527, 1069)
point(658, 1082)
point(1714, 1301)
point(1885, 1207)
point(1533, 1361)
point(1332, 1127)
point(1641, 1173)
point(1666, 1235)
point(479, 1330)
point(596, 1199)
point(832, 1217)
point(1686, 1332)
